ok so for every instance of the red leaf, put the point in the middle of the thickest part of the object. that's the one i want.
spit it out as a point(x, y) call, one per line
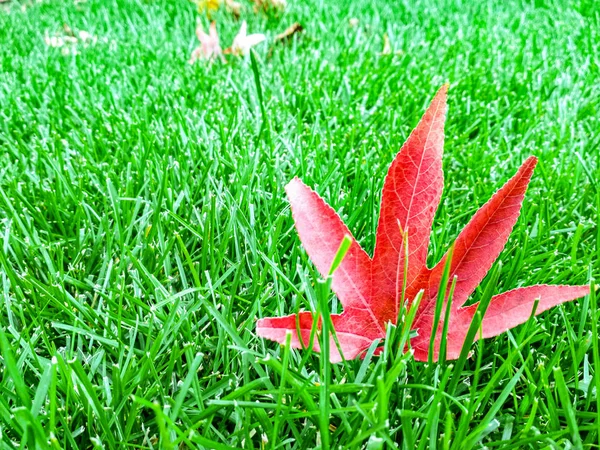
point(352, 343)
point(481, 241)
point(514, 307)
point(410, 197)
point(321, 230)
point(370, 289)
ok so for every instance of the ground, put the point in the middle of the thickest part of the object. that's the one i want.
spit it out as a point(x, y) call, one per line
point(144, 226)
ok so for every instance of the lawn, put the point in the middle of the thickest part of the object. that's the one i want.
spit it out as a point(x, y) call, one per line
point(144, 226)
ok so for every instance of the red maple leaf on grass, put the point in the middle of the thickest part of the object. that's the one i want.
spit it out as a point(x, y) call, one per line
point(370, 289)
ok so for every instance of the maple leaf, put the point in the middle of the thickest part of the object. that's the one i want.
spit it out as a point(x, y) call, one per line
point(209, 48)
point(243, 41)
point(370, 289)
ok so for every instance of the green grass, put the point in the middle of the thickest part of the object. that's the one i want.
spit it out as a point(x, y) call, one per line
point(144, 227)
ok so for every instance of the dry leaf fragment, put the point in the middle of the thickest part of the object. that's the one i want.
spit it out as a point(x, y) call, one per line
point(58, 41)
point(243, 41)
point(68, 30)
point(70, 41)
point(289, 32)
point(370, 289)
point(234, 7)
point(353, 22)
point(209, 48)
point(208, 6)
point(387, 47)
point(86, 38)
point(266, 5)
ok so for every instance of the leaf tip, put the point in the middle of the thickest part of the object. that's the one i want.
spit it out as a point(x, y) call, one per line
point(294, 187)
point(533, 160)
point(293, 182)
point(442, 94)
point(528, 166)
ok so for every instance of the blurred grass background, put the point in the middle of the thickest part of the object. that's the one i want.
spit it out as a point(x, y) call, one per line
point(144, 226)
